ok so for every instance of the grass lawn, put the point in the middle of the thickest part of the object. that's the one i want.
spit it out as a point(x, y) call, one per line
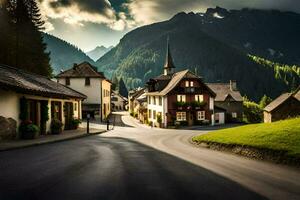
point(282, 135)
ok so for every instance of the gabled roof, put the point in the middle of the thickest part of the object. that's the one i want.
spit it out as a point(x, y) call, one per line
point(27, 83)
point(115, 93)
point(82, 70)
point(174, 81)
point(137, 93)
point(223, 91)
point(280, 100)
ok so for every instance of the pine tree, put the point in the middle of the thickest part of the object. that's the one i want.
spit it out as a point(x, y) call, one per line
point(265, 100)
point(30, 49)
point(5, 33)
point(115, 82)
point(122, 88)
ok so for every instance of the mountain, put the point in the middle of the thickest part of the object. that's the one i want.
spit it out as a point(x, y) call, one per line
point(98, 52)
point(216, 45)
point(63, 54)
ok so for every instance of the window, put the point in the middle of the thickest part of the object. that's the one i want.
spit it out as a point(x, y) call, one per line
point(75, 106)
point(192, 84)
point(160, 100)
point(87, 81)
point(199, 98)
point(154, 114)
point(234, 115)
point(181, 116)
point(186, 84)
point(148, 99)
point(181, 98)
point(153, 100)
point(201, 115)
point(150, 113)
point(67, 81)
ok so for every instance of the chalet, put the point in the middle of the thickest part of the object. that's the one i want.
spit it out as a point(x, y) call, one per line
point(118, 102)
point(229, 99)
point(285, 106)
point(179, 97)
point(39, 95)
point(86, 79)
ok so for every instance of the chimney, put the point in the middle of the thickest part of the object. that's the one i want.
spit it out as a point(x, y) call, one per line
point(75, 65)
point(233, 85)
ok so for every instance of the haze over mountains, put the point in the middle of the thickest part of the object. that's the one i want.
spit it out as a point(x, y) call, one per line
point(98, 52)
point(216, 45)
point(63, 54)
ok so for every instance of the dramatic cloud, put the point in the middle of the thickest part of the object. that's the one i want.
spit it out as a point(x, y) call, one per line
point(149, 11)
point(79, 12)
point(66, 18)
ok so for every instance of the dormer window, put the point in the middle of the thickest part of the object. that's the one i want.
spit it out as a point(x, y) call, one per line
point(191, 84)
point(67, 81)
point(87, 81)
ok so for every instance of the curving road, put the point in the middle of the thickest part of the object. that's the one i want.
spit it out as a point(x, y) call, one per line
point(273, 181)
point(136, 162)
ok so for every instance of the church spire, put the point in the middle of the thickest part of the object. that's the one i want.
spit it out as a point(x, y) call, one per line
point(169, 67)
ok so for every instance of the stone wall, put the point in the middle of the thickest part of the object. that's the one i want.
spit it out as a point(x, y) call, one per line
point(8, 128)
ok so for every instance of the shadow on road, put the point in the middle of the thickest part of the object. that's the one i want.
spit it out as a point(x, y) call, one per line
point(109, 168)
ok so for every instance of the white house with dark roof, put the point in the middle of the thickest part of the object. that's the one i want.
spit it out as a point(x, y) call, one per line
point(38, 93)
point(179, 97)
point(86, 79)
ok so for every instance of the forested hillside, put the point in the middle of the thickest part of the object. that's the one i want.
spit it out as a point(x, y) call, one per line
point(215, 44)
point(21, 41)
point(63, 54)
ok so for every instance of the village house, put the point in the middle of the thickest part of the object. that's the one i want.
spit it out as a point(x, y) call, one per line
point(105, 99)
point(23, 93)
point(229, 102)
point(179, 97)
point(86, 79)
point(138, 104)
point(285, 106)
point(118, 102)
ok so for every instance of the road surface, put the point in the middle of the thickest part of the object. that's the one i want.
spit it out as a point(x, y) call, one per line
point(137, 162)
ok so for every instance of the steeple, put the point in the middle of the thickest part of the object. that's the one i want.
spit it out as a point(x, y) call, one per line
point(169, 67)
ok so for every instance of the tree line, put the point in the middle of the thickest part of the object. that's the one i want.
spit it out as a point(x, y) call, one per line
point(21, 39)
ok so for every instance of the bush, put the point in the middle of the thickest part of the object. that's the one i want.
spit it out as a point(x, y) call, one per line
point(75, 123)
point(56, 126)
point(253, 113)
point(28, 130)
point(158, 118)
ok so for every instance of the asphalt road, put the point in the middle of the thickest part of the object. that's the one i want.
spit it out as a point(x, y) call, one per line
point(137, 162)
point(108, 168)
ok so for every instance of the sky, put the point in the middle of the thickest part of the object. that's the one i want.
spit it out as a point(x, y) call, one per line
point(91, 23)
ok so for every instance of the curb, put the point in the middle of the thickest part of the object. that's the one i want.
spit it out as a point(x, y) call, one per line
point(50, 142)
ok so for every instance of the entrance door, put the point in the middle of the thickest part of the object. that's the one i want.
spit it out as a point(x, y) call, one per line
point(191, 119)
point(68, 109)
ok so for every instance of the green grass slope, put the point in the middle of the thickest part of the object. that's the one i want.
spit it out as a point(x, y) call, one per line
point(282, 135)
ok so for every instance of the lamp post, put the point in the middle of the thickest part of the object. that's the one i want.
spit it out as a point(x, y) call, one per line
point(88, 116)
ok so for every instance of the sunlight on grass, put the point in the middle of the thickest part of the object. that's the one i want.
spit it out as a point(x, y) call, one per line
point(281, 135)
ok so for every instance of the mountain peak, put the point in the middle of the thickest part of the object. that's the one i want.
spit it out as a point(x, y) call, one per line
point(98, 52)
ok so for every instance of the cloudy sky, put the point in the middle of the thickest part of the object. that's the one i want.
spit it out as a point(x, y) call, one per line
point(90, 23)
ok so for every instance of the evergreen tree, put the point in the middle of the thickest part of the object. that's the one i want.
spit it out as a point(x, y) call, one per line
point(6, 38)
point(265, 100)
point(115, 82)
point(21, 40)
point(122, 88)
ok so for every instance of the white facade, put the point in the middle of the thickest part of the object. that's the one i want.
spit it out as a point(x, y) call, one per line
point(10, 106)
point(92, 91)
point(156, 107)
point(118, 101)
